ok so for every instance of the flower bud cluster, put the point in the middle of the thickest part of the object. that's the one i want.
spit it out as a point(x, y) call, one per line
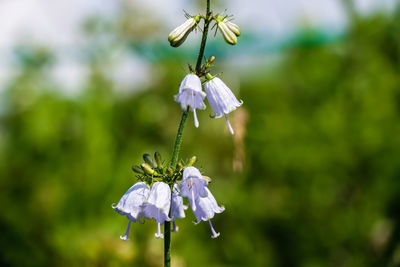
point(159, 195)
point(230, 31)
point(153, 169)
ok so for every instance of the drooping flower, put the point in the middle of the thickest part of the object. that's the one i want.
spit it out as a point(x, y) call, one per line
point(193, 185)
point(177, 207)
point(180, 33)
point(191, 95)
point(131, 202)
point(206, 209)
point(221, 98)
point(157, 205)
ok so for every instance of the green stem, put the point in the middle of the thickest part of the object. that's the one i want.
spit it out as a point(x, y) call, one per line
point(167, 244)
point(178, 139)
point(179, 135)
point(203, 38)
point(175, 154)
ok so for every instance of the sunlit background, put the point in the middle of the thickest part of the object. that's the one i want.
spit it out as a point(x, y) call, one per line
point(311, 177)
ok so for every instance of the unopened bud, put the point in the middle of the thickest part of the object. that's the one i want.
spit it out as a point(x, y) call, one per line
point(210, 61)
point(233, 27)
point(149, 160)
point(229, 30)
point(137, 169)
point(146, 167)
point(170, 172)
point(179, 167)
point(158, 159)
point(192, 161)
point(180, 33)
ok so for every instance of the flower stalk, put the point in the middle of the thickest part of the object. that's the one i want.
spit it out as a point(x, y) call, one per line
point(179, 135)
point(159, 193)
point(207, 21)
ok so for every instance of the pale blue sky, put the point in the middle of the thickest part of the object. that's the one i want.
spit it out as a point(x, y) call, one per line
point(57, 25)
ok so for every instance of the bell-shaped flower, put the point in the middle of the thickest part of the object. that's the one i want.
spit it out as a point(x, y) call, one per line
point(193, 185)
point(157, 205)
point(221, 98)
point(206, 209)
point(191, 95)
point(131, 202)
point(180, 33)
point(177, 207)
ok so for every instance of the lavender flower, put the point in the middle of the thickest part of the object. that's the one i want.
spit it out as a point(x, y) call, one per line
point(191, 95)
point(157, 205)
point(221, 98)
point(193, 185)
point(206, 209)
point(130, 204)
point(177, 207)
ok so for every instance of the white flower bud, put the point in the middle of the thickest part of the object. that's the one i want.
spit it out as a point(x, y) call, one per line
point(179, 34)
point(229, 36)
point(233, 27)
point(229, 30)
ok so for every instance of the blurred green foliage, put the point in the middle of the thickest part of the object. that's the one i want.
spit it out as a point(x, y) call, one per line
point(320, 184)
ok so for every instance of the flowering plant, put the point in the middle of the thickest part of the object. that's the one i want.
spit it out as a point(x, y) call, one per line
point(159, 194)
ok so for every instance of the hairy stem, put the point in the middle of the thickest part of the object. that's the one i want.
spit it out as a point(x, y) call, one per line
point(175, 154)
point(178, 139)
point(179, 135)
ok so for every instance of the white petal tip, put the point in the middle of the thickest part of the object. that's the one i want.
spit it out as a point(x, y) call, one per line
point(215, 235)
point(196, 121)
point(158, 235)
point(176, 229)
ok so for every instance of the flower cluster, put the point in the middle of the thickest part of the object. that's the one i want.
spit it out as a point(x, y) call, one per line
point(219, 96)
point(161, 191)
point(153, 199)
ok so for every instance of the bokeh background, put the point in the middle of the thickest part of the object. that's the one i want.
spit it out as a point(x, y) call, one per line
point(311, 177)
